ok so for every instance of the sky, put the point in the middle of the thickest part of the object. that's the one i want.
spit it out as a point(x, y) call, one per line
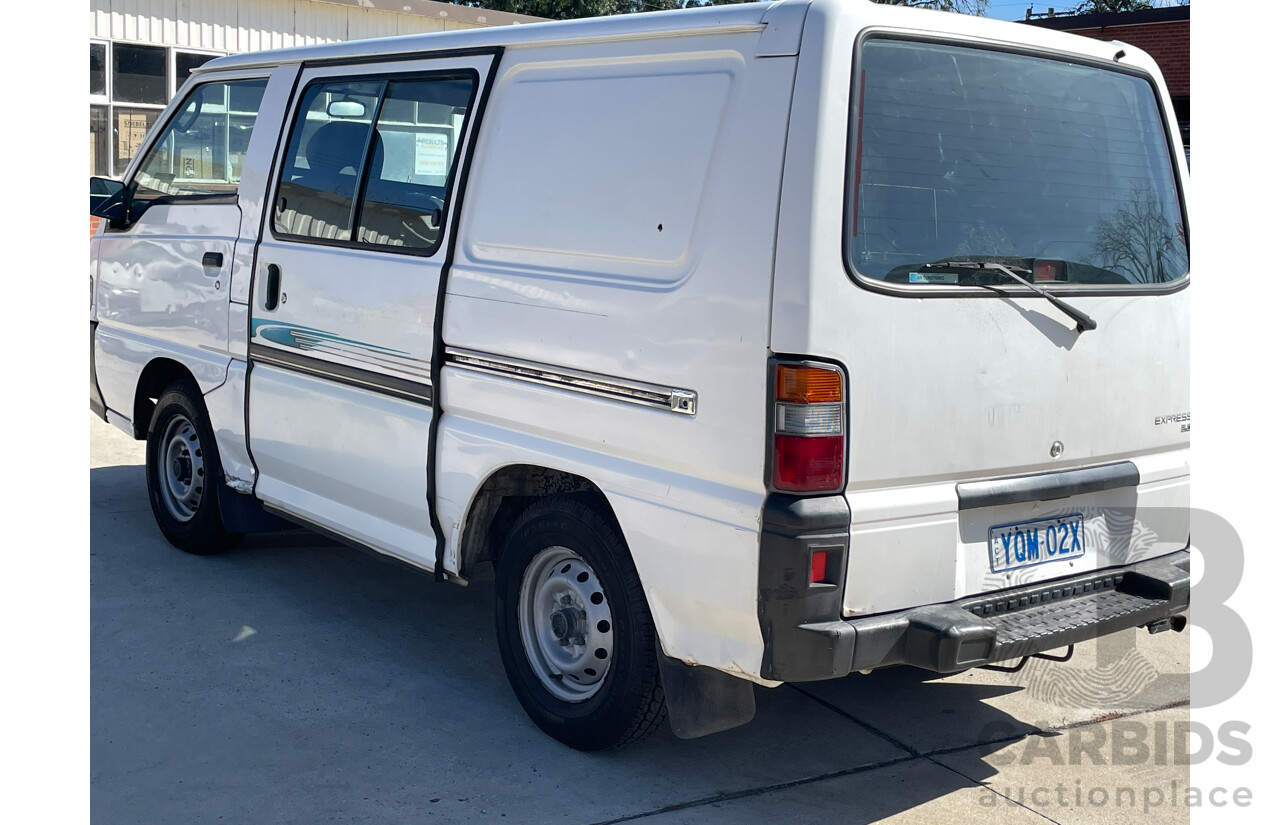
point(1017, 9)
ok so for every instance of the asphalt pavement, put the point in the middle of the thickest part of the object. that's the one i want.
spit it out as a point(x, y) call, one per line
point(297, 680)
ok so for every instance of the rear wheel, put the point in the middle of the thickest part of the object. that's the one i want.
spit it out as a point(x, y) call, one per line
point(574, 629)
point(183, 472)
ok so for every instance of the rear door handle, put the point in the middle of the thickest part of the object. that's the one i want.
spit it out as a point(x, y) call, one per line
point(212, 259)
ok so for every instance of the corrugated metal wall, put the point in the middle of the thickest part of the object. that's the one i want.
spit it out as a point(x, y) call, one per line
point(248, 25)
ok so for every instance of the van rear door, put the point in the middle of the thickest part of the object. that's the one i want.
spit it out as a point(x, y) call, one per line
point(994, 440)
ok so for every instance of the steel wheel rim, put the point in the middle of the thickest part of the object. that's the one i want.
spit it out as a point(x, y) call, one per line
point(181, 468)
point(566, 625)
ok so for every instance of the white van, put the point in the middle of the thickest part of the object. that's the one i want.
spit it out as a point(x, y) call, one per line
point(753, 344)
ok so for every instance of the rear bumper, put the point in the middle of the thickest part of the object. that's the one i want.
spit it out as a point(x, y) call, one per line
point(965, 633)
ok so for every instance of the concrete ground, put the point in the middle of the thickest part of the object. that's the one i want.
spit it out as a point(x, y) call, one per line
point(295, 680)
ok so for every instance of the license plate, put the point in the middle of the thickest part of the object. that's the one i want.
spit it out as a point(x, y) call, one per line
point(1028, 543)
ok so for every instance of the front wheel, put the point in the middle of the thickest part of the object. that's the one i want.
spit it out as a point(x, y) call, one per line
point(574, 629)
point(183, 472)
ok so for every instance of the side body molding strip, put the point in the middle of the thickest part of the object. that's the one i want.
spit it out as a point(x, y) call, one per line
point(415, 391)
point(671, 399)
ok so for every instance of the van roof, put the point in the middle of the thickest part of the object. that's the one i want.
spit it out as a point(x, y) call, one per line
point(788, 15)
point(743, 15)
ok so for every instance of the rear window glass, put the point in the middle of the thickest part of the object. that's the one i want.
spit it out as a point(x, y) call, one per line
point(963, 156)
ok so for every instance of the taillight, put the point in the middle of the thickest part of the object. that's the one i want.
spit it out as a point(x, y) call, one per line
point(808, 428)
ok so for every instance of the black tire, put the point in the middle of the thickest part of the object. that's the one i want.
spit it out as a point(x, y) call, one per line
point(183, 471)
point(626, 703)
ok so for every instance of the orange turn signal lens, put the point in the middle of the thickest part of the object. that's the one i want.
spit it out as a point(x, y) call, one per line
point(808, 385)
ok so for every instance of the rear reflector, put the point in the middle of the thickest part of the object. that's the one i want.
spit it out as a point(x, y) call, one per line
point(818, 567)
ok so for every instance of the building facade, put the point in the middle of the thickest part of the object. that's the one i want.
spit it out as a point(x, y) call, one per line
point(1163, 33)
point(141, 51)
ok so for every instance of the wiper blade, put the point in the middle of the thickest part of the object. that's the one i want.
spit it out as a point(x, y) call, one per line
point(1083, 321)
point(978, 264)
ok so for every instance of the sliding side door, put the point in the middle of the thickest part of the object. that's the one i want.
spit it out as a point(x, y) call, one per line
point(344, 295)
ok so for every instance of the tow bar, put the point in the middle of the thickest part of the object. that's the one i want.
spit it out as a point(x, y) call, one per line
point(1071, 649)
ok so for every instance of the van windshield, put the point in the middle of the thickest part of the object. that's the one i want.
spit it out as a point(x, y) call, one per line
point(961, 155)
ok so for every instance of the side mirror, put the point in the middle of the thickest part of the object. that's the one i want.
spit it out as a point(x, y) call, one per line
point(101, 191)
point(116, 214)
point(117, 207)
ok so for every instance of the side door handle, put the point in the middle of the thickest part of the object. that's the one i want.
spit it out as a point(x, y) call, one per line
point(212, 259)
point(272, 299)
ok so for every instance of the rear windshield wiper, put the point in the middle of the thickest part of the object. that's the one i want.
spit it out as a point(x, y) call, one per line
point(1083, 321)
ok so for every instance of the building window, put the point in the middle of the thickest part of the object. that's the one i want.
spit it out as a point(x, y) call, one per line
point(131, 126)
point(138, 74)
point(99, 153)
point(186, 62)
point(97, 68)
point(129, 85)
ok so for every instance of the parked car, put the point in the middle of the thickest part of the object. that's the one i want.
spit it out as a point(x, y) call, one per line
point(752, 344)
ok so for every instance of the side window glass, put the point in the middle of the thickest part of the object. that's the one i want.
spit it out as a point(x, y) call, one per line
point(370, 161)
point(323, 160)
point(416, 144)
point(201, 150)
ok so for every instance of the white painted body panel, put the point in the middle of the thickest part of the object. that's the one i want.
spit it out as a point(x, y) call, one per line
point(122, 354)
point(618, 256)
point(348, 460)
point(912, 545)
point(226, 406)
point(151, 279)
point(944, 390)
point(660, 201)
point(693, 540)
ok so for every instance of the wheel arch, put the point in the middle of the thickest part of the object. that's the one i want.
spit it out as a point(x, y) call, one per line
point(506, 493)
point(158, 374)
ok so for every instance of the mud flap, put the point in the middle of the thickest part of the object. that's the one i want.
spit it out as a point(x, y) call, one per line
point(703, 700)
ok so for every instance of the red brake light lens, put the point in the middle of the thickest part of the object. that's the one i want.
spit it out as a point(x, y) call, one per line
point(808, 464)
point(1049, 271)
